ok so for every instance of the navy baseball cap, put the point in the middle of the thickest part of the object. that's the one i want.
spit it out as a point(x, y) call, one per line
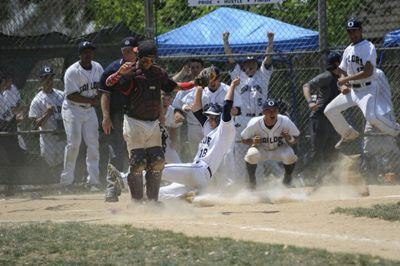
point(214, 109)
point(147, 49)
point(269, 104)
point(353, 24)
point(129, 42)
point(85, 45)
point(46, 71)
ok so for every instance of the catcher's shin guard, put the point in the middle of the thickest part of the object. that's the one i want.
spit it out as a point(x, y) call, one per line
point(153, 180)
point(155, 165)
point(135, 183)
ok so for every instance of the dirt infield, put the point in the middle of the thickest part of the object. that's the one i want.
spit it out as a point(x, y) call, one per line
point(295, 217)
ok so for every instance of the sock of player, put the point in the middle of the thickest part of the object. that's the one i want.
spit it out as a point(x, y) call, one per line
point(251, 171)
point(288, 173)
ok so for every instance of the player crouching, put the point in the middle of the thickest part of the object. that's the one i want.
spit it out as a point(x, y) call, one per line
point(270, 137)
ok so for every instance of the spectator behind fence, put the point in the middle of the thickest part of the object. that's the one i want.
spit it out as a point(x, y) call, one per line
point(80, 120)
point(253, 91)
point(323, 135)
point(45, 111)
point(182, 109)
point(113, 100)
point(381, 153)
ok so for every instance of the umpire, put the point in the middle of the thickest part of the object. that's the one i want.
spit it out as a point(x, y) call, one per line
point(323, 135)
point(112, 106)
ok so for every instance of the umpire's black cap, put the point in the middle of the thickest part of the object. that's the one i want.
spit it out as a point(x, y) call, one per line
point(269, 104)
point(147, 49)
point(46, 71)
point(353, 23)
point(85, 45)
point(332, 58)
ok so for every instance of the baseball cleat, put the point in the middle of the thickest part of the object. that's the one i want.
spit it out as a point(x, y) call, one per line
point(111, 196)
point(344, 141)
point(116, 177)
point(287, 181)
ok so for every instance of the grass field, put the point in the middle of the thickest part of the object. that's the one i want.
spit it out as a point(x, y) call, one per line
point(74, 243)
point(389, 212)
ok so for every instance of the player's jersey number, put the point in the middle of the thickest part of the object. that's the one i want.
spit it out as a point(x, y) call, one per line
point(203, 152)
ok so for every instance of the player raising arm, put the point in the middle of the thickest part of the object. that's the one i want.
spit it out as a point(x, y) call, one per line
point(219, 135)
point(270, 137)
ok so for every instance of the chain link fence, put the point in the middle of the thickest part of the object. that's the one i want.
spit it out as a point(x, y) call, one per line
point(37, 33)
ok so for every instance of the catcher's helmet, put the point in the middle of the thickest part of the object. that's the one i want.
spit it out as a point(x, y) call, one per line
point(353, 23)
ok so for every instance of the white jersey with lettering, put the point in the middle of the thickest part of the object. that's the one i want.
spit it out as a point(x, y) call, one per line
point(273, 146)
point(364, 93)
point(271, 138)
point(85, 82)
point(80, 121)
point(252, 91)
point(198, 174)
point(356, 56)
point(51, 146)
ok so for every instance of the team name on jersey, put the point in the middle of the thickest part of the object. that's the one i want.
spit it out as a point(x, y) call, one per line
point(273, 140)
point(89, 86)
point(355, 59)
point(206, 140)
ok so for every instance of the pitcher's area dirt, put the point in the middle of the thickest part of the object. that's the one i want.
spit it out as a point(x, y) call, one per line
point(295, 218)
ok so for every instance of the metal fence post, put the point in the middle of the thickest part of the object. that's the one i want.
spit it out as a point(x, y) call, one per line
point(149, 18)
point(323, 31)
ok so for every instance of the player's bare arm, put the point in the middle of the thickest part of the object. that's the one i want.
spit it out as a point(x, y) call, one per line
point(197, 104)
point(227, 47)
point(105, 109)
point(270, 49)
point(184, 72)
point(231, 91)
point(365, 73)
point(307, 95)
point(289, 138)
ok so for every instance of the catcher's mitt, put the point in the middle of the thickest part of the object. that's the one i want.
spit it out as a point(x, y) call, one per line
point(206, 75)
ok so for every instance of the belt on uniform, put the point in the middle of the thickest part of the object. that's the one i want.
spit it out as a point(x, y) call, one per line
point(359, 85)
point(208, 169)
point(80, 105)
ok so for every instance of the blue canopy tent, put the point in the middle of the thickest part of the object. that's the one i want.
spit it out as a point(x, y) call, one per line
point(391, 39)
point(248, 34)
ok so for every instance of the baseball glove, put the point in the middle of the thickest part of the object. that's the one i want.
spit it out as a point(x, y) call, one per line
point(206, 75)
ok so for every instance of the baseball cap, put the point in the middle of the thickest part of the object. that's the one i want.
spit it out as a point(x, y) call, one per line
point(147, 49)
point(129, 42)
point(85, 45)
point(214, 109)
point(46, 71)
point(353, 24)
point(332, 58)
point(269, 104)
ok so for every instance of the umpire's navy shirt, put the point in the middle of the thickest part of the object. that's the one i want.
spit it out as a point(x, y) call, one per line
point(117, 99)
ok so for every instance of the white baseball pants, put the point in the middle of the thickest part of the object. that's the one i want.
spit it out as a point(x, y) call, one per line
point(80, 122)
point(192, 175)
point(284, 154)
point(365, 98)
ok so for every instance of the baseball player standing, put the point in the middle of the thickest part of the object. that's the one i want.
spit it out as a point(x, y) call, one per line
point(218, 138)
point(45, 110)
point(113, 100)
point(270, 136)
point(81, 82)
point(358, 88)
point(144, 82)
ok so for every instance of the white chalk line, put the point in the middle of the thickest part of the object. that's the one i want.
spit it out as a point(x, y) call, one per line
point(391, 243)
